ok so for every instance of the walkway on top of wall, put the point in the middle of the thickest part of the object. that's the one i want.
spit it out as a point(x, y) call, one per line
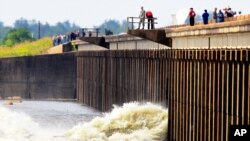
point(237, 24)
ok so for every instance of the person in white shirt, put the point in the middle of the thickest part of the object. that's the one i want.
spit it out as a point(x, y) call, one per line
point(142, 18)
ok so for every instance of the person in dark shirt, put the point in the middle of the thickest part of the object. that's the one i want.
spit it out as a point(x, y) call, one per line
point(192, 16)
point(72, 36)
point(230, 12)
point(215, 15)
point(205, 16)
point(220, 16)
point(83, 33)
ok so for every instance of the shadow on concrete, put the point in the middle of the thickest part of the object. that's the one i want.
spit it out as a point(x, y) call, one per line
point(67, 47)
point(155, 35)
point(100, 41)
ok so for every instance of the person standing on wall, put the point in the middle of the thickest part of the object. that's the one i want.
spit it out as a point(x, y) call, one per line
point(205, 16)
point(150, 18)
point(142, 18)
point(230, 12)
point(220, 16)
point(191, 16)
point(215, 15)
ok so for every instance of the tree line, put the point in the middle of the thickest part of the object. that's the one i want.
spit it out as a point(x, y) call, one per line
point(18, 33)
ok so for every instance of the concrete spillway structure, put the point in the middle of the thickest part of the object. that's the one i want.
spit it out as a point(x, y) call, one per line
point(234, 33)
point(155, 35)
point(99, 41)
point(120, 42)
point(203, 79)
point(210, 78)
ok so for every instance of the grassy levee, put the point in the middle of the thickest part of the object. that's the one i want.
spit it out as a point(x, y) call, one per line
point(27, 48)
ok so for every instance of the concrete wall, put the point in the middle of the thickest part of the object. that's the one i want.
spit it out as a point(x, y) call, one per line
point(84, 46)
point(233, 34)
point(117, 77)
point(60, 48)
point(39, 77)
point(125, 41)
point(206, 91)
point(121, 42)
point(135, 44)
point(234, 40)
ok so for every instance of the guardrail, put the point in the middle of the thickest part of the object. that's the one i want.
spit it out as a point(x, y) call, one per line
point(91, 32)
point(136, 20)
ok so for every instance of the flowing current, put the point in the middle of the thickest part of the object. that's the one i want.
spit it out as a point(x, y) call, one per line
point(68, 121)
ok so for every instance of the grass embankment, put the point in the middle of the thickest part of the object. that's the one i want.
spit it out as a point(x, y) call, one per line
point(27, 48)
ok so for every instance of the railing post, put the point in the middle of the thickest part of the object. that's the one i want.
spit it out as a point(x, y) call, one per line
point(132, 23)
point(127, 23)
point(97, 32)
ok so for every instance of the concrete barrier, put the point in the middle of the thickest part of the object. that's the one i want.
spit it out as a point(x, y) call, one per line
point(39, 77)
point(60, 48)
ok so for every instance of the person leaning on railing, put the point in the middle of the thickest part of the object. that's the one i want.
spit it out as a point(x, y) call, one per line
point(150, 18)
point(142, 18)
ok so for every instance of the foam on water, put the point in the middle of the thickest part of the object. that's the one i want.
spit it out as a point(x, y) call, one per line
point(130, 122)
point(41, 120)
point(16, 126)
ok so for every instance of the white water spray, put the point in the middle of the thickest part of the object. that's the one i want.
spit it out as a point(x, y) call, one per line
point(16, 126)
point(131, 122)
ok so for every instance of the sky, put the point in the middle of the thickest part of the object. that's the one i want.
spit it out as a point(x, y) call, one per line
point(89, 13)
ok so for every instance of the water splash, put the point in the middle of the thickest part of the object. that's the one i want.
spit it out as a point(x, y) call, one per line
point(131, 122)
point(40, 120)
point(15, 126)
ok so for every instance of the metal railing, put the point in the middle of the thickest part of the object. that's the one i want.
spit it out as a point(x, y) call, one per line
point(90, 32)
point(134, 21)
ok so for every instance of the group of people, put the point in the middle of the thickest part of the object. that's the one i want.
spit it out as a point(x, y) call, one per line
point(217, 16)
point(68, 37)
point(146, 14)
point(228, 12)
point(64, 38)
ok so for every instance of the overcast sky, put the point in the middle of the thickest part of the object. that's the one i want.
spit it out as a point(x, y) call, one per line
point(88, 13)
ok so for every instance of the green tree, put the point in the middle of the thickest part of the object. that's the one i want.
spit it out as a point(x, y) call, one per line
point(3, 31)
point(45, 29)
point(15, 36)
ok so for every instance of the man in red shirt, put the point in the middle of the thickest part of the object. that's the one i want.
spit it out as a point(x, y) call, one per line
point(192, 16)
point(150, 18)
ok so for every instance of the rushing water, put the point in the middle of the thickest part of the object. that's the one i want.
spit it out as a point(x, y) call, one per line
point(68, 121)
